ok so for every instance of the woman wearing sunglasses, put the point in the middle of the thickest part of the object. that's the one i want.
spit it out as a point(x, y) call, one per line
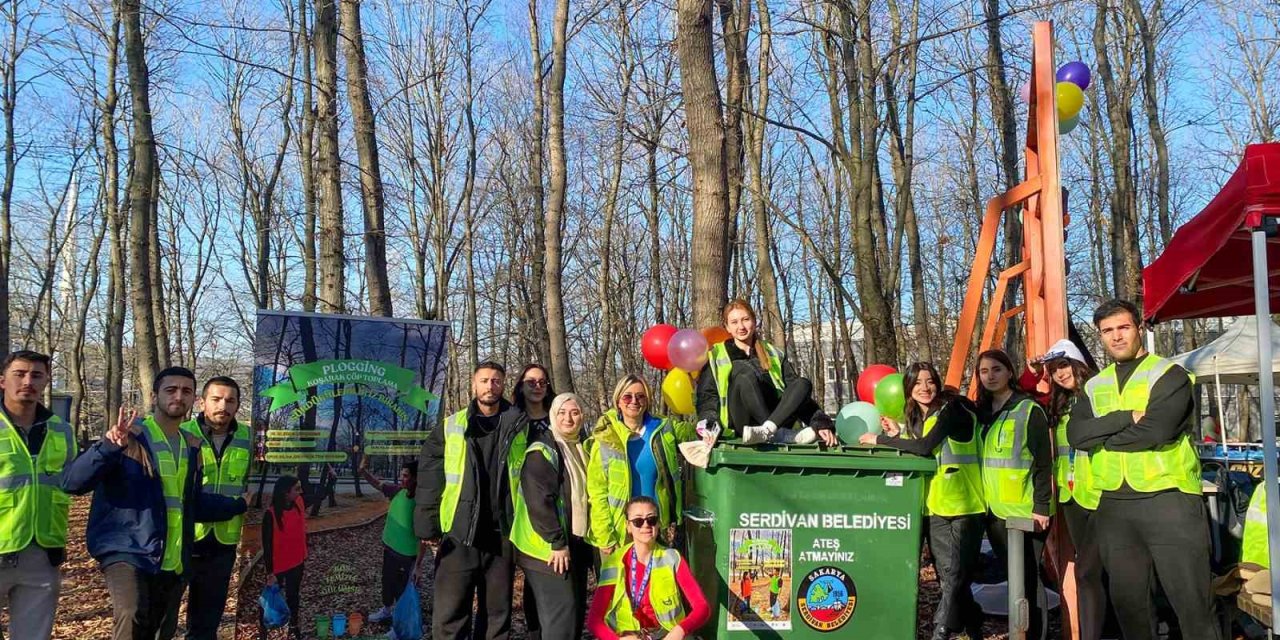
point(635, 454)
point(644, 589)
point(533, 396)
point(551, 523)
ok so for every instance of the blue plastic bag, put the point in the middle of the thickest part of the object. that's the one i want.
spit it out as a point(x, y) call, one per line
point(406, 618)
point(275, 611)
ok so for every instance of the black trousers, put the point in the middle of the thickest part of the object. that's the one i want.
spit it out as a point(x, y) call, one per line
point(562, 599)
point(753, 399)
point(532, 623)
point(143, 606)
point(1091, 591)
point(396, 570)
point(1032, 577)
point(956, 544)
point(464, 573)
point(1165, 532)
point(290, 583)
point(211, 566)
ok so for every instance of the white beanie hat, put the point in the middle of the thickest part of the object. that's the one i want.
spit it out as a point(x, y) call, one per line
point(1063, 349)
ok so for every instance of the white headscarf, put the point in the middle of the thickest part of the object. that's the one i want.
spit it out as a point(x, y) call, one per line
point(575, 464)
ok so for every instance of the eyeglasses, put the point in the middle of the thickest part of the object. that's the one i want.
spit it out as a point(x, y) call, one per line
point(634, 398)
point(537, 384)
point(648, 521)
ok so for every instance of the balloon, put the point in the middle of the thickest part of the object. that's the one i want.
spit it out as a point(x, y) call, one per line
point(677, 388)
point(688, 349)
point(1076, 73)
point(890, 399)
point(867, 381)
point(1024, 92)
point(653, 345)
point(855, 419)
point(1070, 99)
point(1069, 125)
point(715, 335)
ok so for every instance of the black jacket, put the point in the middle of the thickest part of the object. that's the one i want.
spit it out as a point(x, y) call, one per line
point(708, 398)
point(541, 485)
point(426, 520)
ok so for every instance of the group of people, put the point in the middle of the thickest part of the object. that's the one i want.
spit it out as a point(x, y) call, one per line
point(523, 484)
point(1110, 452)
point(166, 513)
point(504, 485)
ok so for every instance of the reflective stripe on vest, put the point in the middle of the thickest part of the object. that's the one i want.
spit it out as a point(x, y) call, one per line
point(956, 488)
point(721, 365)
point(225, 477)
point(1254, 546)
point(32, 504)
point(172, 467)
point(1072, 471)
point(455, 461)
point(1006, 463)
point(1172, 466)
point(664, 594)
point(523, 535)
point(609, 527)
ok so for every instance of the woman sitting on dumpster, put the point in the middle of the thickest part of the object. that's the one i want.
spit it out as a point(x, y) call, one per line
point(1017, 472)
point(944, 424)
point(748, 388)
point(646, 590)
point(634, 454)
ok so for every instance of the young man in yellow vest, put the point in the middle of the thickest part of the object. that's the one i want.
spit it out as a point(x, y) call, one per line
point(34, 447)
point(464, 503)
point(1151, 520)
point(226, 448)
point(147, 497)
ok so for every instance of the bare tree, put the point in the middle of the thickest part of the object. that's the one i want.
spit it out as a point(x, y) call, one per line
point(332, 257)
point(554, 299)
point(703, 113)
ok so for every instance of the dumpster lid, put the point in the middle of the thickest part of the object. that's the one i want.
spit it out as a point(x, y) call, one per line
point(728, 454)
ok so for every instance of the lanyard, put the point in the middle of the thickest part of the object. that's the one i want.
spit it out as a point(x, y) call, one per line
point(637, 591)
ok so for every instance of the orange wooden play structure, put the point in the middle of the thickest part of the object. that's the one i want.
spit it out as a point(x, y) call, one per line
point(1043, 265)
point(1042, 269)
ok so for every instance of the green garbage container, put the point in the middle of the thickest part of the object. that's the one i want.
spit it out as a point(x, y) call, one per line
point(793, 542)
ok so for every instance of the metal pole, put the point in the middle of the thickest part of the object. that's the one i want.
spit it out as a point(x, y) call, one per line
point(1019, 613)
point(1267, 404)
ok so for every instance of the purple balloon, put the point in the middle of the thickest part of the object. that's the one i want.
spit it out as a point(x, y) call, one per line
point(1076, 73)
point(688, 350)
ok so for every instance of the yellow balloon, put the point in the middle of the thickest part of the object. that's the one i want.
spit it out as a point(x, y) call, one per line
point(1070, 100)
point(677, 388)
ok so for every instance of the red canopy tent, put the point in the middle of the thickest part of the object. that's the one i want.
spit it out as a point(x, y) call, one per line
point(1205, 273)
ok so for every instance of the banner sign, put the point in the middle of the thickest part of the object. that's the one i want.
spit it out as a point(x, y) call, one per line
point(328, 385)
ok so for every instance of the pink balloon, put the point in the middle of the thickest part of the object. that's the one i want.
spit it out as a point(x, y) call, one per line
point(1025, 92)
point(688, 350)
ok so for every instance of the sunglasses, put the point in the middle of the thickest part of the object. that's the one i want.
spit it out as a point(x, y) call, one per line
point(537, 384)
point(639, 523)
point(630, 398)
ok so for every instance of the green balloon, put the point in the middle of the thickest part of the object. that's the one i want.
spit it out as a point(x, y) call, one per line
point(855, 419)
point(891, 400)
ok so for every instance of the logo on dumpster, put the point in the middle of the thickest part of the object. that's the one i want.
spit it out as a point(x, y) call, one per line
point(826, 598)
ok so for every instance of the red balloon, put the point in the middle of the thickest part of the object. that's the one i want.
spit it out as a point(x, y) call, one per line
point(715, 335)
point(653, 345)
point(868, 380)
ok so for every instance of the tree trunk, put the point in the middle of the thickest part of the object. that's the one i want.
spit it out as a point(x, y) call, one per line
point(1006, 123)
point(332, 259)
point(735, 23)
point(1125, 250)
point(766, 278)
point(702, 107)
point(362, 118)
point(538, 245)
point(143, 146)
point(113, 339)
point(1151, 104)
point(306, 160)
point(561, 374)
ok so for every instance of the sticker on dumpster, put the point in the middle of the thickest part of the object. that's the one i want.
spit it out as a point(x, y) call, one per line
point(826, 598)
point(760, 588)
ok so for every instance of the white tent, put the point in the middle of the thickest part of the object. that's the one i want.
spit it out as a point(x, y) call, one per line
point(1233, 357)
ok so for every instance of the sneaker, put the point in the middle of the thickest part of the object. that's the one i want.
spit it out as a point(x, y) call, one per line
point(755, 435)
point(380, 616)
point(806, 436)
